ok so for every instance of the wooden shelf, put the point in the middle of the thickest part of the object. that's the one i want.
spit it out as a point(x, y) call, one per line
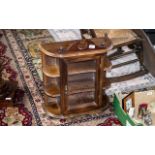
point(81, 98)
point(81, 86)
point(54, 109)
point(52, 90)
point(77, 68)
point(77, 101)
point(73, 88)
point(73, 69)
point(51, 71)
point(84, 102)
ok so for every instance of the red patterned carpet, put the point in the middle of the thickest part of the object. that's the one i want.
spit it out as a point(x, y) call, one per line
point(19, 114)
point(25, 67)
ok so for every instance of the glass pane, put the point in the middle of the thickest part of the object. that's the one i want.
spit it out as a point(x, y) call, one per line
point(52, 105)
point(80, 89)
point(81, 76)
point(81, 101)
point(52, 86)
point(50, 66)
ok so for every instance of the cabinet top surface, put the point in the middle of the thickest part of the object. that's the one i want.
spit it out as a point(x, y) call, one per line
point(77, 48)
point(99, 45)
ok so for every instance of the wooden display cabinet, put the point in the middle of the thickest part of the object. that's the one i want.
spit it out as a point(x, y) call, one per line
point(74, 75)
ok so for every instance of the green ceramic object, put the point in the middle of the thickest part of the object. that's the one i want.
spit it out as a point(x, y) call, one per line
point(123, 117)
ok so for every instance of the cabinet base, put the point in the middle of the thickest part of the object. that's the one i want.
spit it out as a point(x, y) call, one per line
point(55, 112)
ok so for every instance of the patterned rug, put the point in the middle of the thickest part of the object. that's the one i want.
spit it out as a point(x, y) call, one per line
point(19, 113)
point(22, 48)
